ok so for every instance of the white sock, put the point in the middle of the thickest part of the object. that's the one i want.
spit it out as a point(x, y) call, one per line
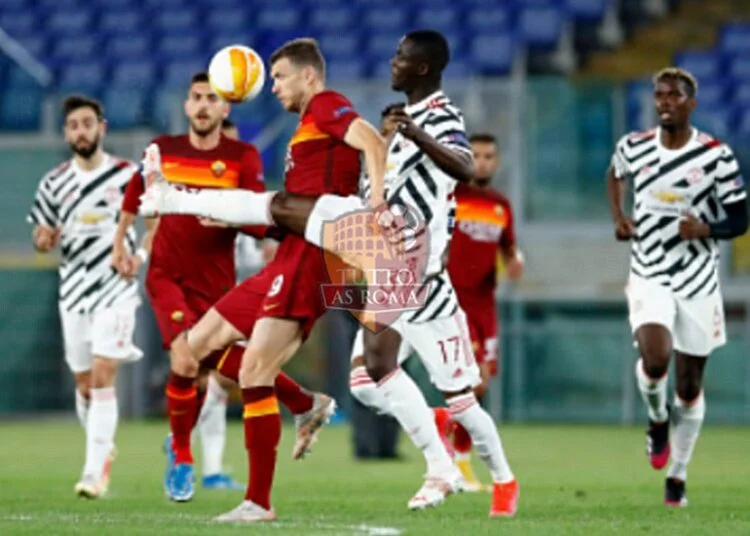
point(653, 393)
point(365, 390)
point(100, 433)
point(212, 426)
point(466, 410)
point(238, 207)
point(408, 406)
point(687, 421)
point(82, 409)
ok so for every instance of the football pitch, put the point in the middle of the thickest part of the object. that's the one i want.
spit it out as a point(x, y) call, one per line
point(574, 480)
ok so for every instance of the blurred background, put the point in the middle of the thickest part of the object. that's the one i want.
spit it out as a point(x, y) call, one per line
point(557, 81)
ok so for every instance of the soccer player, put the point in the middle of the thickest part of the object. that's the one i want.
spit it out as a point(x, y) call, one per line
point(688, 195)
point(484, 228)
point(277, 308)
point(77, 206)
point(192, 265)
point(425, 158)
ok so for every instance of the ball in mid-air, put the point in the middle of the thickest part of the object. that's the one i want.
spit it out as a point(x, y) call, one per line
point(236, 73)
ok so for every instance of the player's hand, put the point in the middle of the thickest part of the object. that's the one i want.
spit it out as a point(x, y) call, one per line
point(208, 222)
point(515, 266)
point(130, 266)
point(404, 124)
point(624, 228)
point(692, 228)
point(45, 238)
point(119, 255)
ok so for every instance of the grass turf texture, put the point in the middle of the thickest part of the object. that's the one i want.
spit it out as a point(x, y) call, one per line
point(574, 480)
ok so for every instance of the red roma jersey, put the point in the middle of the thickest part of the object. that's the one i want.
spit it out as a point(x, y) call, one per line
point(484, 223)
point(317, 160)
point(199, 257)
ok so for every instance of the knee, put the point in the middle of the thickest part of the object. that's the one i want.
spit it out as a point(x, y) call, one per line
point(103, 373)
point(257, 370)
point(688, 388)
point(379, 363)
point(182, 361)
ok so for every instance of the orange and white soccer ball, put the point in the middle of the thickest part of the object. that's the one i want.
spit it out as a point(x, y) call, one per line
point(236, 73)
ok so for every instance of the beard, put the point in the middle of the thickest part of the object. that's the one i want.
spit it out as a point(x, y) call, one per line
point(205, 130)
point(88, 150)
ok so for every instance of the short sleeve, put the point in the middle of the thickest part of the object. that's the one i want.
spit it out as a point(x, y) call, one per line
point(44, 211)
point(251, 170)
point(619, 162)
point(447, 128)
point(133, 192)
point(333, 113)
point(729, 184)
point(508, 237)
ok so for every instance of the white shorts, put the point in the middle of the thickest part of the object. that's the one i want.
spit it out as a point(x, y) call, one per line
point(106, 333)
point(697, 324)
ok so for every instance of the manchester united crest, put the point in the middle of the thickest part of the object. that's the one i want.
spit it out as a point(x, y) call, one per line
point(218, 168)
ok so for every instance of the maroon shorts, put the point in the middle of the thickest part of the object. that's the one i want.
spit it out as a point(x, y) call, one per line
point(288, 287)
point(482, 320)
point(176, 307)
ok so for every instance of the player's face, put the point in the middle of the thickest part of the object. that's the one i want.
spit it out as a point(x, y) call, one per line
point(405, 66)
point(84, 131)
point(204, 109)
point(486, 160)
point(673, 103)
point(289, 83)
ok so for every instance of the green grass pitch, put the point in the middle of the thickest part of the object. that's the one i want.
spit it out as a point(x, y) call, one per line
point(574, 480)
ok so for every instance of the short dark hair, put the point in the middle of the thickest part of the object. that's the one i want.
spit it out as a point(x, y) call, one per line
point(199, 78)
point(302, 52)
point(675, 73)
point(483, 137)
point(433, 46)
point(227, 123)
point(74, 102)
point(391, 107)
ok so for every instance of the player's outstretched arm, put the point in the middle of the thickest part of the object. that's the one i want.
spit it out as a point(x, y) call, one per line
point(457, 164)
point(364, 137)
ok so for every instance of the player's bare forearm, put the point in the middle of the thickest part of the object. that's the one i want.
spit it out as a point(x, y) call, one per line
point(291, 211)
point(458, 165)
point(152, 224)
point(362, 136)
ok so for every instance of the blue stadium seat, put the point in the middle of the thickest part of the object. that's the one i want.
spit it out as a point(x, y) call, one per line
point(21, 110)
point(15, 6)
point(704, 65)
point(49, 5)
point(332, 19)
point(716, 121)
point(712, 94)
point(166, 103)
point(182, 20)
point(158, 5)
point(590, 10)
point(19, 79)
point(237, 37)
point(124, 107)
point(739, 68)
point(87, 77)
point(177, 74)
point(382, 46)
point(339, 45)
point(459, 69)
point(134, 73)
point(345, 69)
point(488, 19)
point(129, 46)
point(743, 121)
point(493, 54)
point(36, 45)
point(540, 27)
point(227, 19)
point(741, 94)
point(127, 21)
point(393, 18)
point(69, 22)
point(180, 46)
point(735, 38)
point(78, 47)
point(440, 18)
point(116, 4)
point(18, 24)
point(278, 18)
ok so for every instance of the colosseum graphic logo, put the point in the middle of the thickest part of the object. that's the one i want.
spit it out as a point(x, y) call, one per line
point(376, 264)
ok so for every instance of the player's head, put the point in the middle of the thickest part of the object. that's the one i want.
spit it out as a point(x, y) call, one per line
point(675, 93)
point(203, 107)
point(84, 124)
point(386, 125)
point(420, 59)
point(298, 70)
point(486, 157)
point(229, 129)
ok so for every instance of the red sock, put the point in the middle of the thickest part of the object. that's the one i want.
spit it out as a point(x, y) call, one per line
point(182, 402)
point(262, 435)
point(461, 439)
point(292, 395)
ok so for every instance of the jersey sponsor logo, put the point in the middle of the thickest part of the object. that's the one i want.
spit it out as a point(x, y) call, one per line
point(377, 268)
point(218, 168)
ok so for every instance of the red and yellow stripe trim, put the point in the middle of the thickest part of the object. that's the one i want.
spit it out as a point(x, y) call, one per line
point(260, 408)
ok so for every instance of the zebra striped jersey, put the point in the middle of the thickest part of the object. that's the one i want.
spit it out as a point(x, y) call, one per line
point(701, 177)
point(412, 179)
point(85, 206)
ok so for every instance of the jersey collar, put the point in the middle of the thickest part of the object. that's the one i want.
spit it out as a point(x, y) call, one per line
point(424, 103)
